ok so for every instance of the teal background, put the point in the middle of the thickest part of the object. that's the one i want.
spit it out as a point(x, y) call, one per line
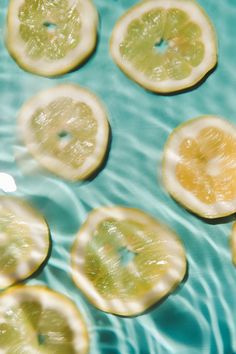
point(200, 316)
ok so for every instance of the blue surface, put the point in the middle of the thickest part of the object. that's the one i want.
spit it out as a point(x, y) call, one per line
point(200, 316)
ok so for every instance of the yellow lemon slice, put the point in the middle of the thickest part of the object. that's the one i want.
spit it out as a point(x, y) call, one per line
point(24, 240)
point(124, 261)
point(35, 320)
point(66, 129)
point(199, 166)
point(233, 244)
point(51, 37)
point(165, 46)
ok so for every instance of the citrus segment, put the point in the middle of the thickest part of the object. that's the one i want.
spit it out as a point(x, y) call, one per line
point(24, 240)
point(65, 128)
point(51, 37)
point(163, 45)
point(34, 319)
point(199, 166)
point(125, 261)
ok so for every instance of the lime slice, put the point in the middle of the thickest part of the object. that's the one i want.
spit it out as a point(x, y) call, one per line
point(233, 244)
point(35, 320)
point(51, 37)
point(65, 128)
point(165, 46)
point(24, 240)
point(124, 261)
point(199, 166)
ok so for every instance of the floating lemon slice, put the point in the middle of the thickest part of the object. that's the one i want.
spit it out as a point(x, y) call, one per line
point(51, 37)
point(34, 320)
point(165, 46)
point(124, 261)
point(24, 240)
point(65, 128)
point(199, 166)
point(233, 244)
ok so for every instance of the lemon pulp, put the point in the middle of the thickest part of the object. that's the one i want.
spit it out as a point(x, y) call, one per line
point(50, 29)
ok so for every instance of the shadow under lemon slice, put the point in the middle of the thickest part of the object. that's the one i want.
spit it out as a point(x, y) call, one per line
point(24, 240)
point(165, 46)
point(199, 166)
point(34, 319)
point(65, 129)
point(51, 37)
point(125, 261)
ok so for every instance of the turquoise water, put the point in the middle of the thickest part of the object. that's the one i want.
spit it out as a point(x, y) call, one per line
point(200, 316)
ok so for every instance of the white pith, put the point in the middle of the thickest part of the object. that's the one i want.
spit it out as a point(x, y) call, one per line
point(195, 14)
point(172, 277)
point(172, 158)
point(77, 94)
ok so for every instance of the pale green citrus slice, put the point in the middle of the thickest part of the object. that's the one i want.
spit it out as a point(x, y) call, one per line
point(124, 261)
point(66, 129)
point(51, 37)
point(233, 244)
point(165, 45)
point(24, 240)
point(36, 320)
point(199, 166)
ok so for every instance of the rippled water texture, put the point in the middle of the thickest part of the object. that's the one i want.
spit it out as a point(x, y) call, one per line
point(200, 317)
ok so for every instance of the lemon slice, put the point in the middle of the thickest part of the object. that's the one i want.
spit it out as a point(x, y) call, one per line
point(65, 128)
point(51, 37)
point(199, 166)
point(124, 261)
point(233, 244)
point(34, 320)
point(24, 240)
point(165, 46)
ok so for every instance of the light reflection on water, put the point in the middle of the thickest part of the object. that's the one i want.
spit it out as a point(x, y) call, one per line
point(199, 317)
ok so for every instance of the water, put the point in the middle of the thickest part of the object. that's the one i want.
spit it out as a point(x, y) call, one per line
point(200, 316)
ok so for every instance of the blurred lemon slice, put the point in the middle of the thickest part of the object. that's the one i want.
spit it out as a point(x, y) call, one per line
point(165, 46)
point(51, 37)
point(24, 240)
point(199, 166)
point(35, 320)
point(124, 261)
point(66, 129)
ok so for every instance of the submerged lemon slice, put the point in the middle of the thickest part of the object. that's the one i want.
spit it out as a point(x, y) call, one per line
point(165, 46)
point(34, 320)
point(51, 37)
point(65, 128)
point(24, 240)
point(199, 166)
point(124, 261)
point(233, 244)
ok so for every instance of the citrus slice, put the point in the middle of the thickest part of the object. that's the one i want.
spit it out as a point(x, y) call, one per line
point(51, 37)
point(233, 244)
point(199, 166)
point(65, 128)
point(165, 46)
point(124, 261)
point(35, 320)
point(24, 240)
